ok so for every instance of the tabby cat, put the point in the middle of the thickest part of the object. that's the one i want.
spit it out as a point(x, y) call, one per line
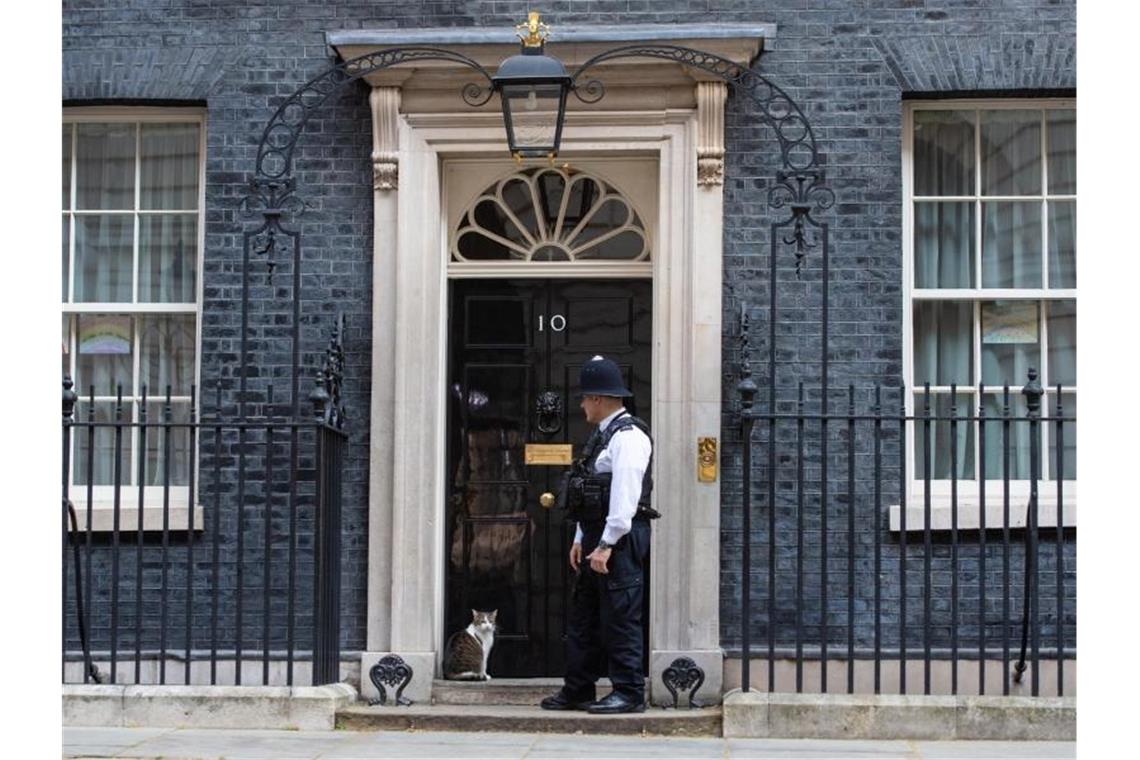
point(467, 652)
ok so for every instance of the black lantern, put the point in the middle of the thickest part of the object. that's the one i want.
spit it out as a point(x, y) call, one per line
point(533, 88)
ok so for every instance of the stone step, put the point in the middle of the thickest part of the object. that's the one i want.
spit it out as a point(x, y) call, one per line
point(655, 721)
point(500, 691)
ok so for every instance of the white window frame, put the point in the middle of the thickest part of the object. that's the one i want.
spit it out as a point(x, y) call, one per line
point(102, 496)
point(968, 489)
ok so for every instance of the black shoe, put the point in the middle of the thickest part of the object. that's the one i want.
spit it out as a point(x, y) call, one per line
point(617, 703)
point(561, 701)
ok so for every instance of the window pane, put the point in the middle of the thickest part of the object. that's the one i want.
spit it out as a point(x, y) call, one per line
point(1062, 317)
point(1068, 438)
point(67, 368)
point(104, 353)
point(102, 469)
point(156, 451)
point(169, 171)
point(948, 440)
point(944, 153)
point(1011, 342)
point(1062, 244)
point(168, 253)
point(105, 166)
point(1011, 245)
point(943, 335)
point(167, 344)
point(67, 166)
point(103, 258)
point(944, 245)
point(1011, 152)
point(997, 433)
point(1062, 137)
point(66, 269)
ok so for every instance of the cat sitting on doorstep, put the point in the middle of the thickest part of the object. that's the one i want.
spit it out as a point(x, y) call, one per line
point(467, 652)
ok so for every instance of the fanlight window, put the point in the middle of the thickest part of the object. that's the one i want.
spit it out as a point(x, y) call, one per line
point(550, 214)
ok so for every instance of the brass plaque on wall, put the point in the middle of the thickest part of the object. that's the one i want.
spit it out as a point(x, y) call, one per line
point(549, 453)
point(706, 460)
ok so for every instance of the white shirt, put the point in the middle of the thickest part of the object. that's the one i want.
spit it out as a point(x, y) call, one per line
point(627, 457)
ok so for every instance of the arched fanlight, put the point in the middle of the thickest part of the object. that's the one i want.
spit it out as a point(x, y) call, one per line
point(533, 88)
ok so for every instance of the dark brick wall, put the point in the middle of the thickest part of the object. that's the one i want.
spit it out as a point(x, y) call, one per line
point(849, 65)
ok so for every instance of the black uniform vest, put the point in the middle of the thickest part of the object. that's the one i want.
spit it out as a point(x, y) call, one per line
point(597, 444)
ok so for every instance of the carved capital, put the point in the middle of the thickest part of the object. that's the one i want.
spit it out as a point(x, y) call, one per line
point(710, 132)
point(385, 102)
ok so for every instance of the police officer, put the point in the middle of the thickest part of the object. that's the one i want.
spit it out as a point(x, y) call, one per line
point(604, 633)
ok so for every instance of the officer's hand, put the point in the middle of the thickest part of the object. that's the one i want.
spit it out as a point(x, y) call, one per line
point(598, 559)
point(575, 556)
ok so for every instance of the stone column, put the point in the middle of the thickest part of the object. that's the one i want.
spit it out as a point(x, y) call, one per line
point(685, 581)
point(385, 103)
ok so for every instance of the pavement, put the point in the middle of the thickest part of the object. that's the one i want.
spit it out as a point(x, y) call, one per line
point(233, 744)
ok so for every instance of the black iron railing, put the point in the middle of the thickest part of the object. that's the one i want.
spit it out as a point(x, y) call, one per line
point(981, 591)
point(246, 578)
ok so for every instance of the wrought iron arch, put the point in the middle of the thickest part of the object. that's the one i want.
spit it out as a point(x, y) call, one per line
point(800, 184)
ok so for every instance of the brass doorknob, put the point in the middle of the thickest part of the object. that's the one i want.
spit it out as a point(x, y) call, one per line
point(546, 500)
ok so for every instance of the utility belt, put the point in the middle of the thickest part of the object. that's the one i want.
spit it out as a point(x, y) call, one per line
point(586, 498)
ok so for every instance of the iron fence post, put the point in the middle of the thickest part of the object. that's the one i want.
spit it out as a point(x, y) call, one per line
point(747, 389)
point(1029, 628)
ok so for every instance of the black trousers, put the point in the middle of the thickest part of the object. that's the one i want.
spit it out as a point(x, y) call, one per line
point(604, 635)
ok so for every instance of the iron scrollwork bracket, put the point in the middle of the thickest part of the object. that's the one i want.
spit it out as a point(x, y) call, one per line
point(391, 670)
point(684, 675)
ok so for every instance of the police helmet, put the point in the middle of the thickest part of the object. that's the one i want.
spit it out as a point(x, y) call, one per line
point(601, 377)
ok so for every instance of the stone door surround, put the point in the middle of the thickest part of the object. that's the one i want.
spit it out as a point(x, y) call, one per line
point(653, 110)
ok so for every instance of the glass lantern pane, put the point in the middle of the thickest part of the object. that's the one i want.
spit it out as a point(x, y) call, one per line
point(104, 348)
point(103, 258)
point(1061, 128)
point(1062, 244)
point(944, 245)
point(943, 335)
point(534, 115)
point(105, 166)
point(944, 153)
point(1011, 152)
point(1062, 316)
point(1011, 244)
point(168, 172)
point(168, 255)
point(951, 443)
point(1011, 341)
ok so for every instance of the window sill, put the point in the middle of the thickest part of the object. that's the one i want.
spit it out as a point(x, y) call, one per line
point(103, 518)
point(969, 513)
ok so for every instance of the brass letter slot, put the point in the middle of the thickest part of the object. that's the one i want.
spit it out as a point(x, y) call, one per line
point(549, 453)
point(706, 460)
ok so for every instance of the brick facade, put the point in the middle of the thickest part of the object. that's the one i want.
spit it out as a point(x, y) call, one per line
point(848, 64)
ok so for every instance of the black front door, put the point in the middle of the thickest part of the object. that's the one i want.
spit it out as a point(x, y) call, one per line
point(515, 350)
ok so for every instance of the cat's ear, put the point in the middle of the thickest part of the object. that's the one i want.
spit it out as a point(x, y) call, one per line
point(474, 614)
point(494, 613)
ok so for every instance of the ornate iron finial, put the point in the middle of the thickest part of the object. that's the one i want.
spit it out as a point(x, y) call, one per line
point(1033, 392)
point(319, 396)
point(533, 32)
point(69, 398)
point(747, 386)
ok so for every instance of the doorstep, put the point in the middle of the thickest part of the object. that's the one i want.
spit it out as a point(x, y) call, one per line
point(655, 721)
